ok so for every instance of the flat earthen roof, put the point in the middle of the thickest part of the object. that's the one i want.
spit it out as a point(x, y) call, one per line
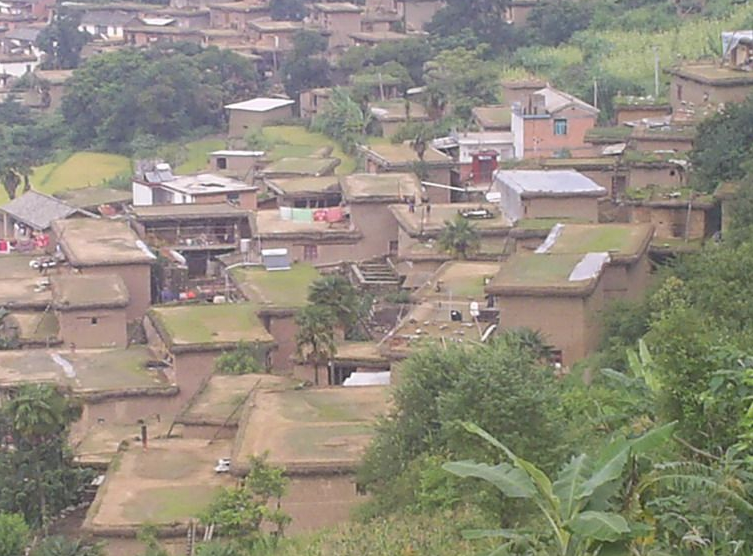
point(392, 187)
point(269, 224)
point(96, 242)
point(402, 154)
point(89, 291)
point(314, 185)
point(419, 223)
point(188, 211)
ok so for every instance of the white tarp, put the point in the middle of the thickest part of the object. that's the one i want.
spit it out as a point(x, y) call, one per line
point(551, 239)
point(589, 267)
point(368, 379)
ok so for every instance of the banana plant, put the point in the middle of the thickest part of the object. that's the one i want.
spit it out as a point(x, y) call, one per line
point(575, 505)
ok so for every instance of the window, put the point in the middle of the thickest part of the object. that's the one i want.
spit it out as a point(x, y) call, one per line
point(222, 163)
point(233, 198)
point(393, 246)
point(310, 253)
point(560, 127)
point(94, 320)
point(679, 92)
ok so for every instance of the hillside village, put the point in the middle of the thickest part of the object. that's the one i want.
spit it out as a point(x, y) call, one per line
point(265, 305)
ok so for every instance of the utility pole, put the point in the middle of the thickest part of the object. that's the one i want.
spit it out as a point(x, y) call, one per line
point(656, 71)
point(596, 93)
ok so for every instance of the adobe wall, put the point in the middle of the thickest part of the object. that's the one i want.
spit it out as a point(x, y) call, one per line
point(93, 328)
point(641, 177)
point(670, 222)
point(630, 114)
point(137, 278)
point(246, 199)
point(319, 501)
point(416, 14)
point(283, 330)
point(378, 226)
point(581, 208)
point(327, 253)
point(661, 144)
point(562, 321)
point(700, 94)
point(241, 121)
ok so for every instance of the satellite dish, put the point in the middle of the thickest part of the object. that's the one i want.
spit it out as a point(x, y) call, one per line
point(493, 196)
point(474, 309)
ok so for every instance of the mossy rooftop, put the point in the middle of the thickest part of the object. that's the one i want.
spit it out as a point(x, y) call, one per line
point(548, 272)
point(85, 371)
point(210, 325)
point(280, 288)
point(459, 280)
point(620, 240)
point(314, 429)
point(311, 166)
point(392, 186)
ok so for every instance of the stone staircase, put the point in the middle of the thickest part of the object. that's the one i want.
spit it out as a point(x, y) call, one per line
point(375, 275)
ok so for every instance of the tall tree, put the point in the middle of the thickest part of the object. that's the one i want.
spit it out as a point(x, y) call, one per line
point(61, 40)
point(287, 10)
point(315, 338)
point(305, 67)
point(485, 20)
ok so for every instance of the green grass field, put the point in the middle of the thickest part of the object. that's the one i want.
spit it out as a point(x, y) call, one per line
point(170, 504)
point(284, 288)
point(197, 155)
point(296, 141)
point(82, 169)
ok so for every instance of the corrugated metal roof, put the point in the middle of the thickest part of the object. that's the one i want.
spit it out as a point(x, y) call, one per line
point(260, 104)
point(38, 210)
point(555, 182)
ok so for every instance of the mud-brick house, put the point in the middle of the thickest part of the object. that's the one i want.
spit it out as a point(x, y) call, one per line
point(518, 90)
point(256, 113)
point(273, 39)
point(327, 239)
point(452, 308)
point(435, 166)
point(158, 186)
point(198, 232)
point(191, 337)
point(392, 115)
point(318, 436)
point(559, 295)
point(677, 214)
point(695, 86)
point(337, 20)
point(48, 90)
point(278, 295)
point(528, 194)
point(242, 165)
point(106, 247)
point(635, 109)
point(517, 11)
point(369, 197)
point(627, 273)
point(670, 138)
point(552, 123)
point(418, 250)
point(313, 101)
point(236, 15)
point(492, 117)
point(306, 191)
point(91, 310)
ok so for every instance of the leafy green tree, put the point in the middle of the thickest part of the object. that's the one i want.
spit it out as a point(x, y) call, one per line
point(287, 10)
point(459, 237)
point(411, 54)
point(61, 40)
point(315, 337)
point(554, 22)
point(577, 504)
point(305, 67)
point(62, 546)
point(244, 359)
point(485, 20)
point(344, 120)
point(462, 78)
point(242, 513)
point(502, 385)
point(722, 145)
point(14, 534)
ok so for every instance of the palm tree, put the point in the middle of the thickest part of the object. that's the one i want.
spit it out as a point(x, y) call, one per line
point(459, 238)
point(38, 411)
point(315, 338)
point(339, 295)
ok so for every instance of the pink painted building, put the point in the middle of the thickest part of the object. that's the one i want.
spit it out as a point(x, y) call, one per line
point(551, 123)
